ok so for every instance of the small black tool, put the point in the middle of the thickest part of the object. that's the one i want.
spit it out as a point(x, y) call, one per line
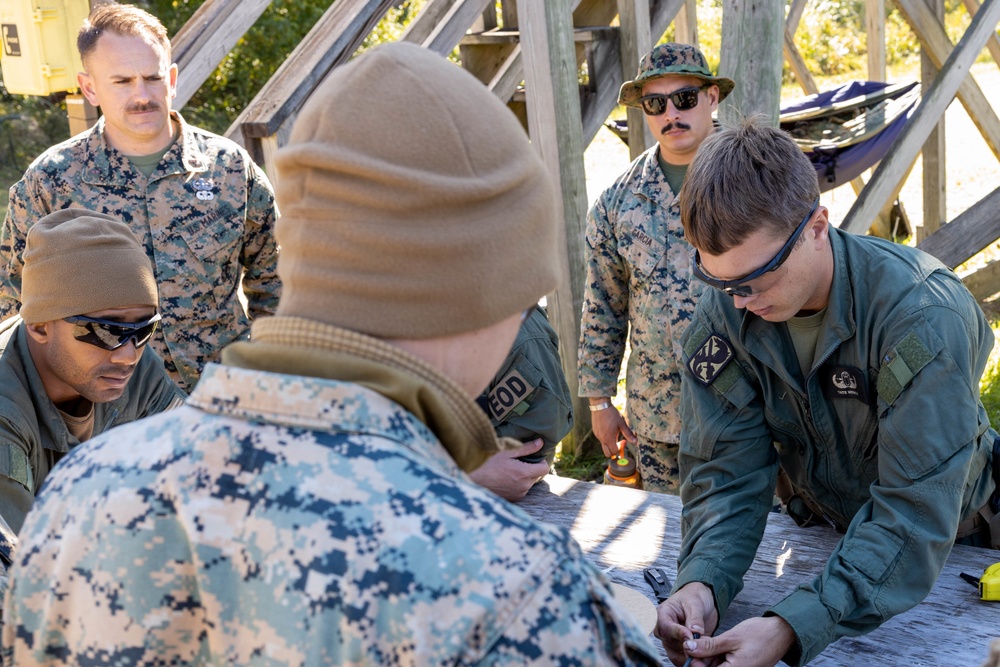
point(687, 663)
point(659, 581)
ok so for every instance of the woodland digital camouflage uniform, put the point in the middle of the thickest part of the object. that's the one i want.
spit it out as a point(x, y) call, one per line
point(205, 215)
point(639, 274)
point(248, 530)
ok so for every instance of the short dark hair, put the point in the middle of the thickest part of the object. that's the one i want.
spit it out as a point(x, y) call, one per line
point(125, 20)
point(744, 177)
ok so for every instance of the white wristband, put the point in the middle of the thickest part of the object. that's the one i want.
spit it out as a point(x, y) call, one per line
point(600, 406)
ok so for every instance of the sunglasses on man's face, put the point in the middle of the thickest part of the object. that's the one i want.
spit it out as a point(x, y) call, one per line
point(739, 286)
point(111, 335)
point(683, 99)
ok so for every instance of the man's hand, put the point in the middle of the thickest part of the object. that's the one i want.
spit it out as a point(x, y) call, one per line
point(756, 642)
point(507, 477)
point(689, 610)
point(607, 424)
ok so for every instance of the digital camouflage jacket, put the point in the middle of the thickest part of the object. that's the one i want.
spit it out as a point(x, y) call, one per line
point(638, 275)
point(205, 217)
point(277, 519)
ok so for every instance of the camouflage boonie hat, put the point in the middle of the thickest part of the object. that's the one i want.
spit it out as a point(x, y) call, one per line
point(667, 59)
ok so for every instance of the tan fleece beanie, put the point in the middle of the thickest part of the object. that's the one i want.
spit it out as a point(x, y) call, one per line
point(78, 262)
point(413, 205)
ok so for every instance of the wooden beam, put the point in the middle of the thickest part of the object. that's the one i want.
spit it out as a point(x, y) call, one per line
point(934, 41)
point(553, 101)
point(333, 40)
point(795, 9)
point(904, 150)
point(685, 23)
point(875, 33)
point(453, 25)
point(798, 64)
point(993, 44)
point(206, 38)
point(752, 32)
point(985, 282)
point(421, 27)
point(635, 41)
point(935, 176)
point(966, 235)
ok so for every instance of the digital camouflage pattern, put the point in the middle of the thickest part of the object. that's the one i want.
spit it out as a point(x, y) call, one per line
point(205, 215)
point(665, 60)
point(639, 275)
point(283, 520)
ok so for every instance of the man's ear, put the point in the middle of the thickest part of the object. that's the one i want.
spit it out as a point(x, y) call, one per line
point(39, 331)
point(87, 87)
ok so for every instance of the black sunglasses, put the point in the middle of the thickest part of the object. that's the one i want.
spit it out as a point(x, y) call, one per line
point(683, 99)
point(739, 287)
point(111, 335)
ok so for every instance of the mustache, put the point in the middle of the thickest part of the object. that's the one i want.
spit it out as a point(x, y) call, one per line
point(139, 108)
point(678, 125)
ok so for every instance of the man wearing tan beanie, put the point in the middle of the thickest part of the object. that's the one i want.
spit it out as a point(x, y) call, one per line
point(310, 504)
point(74, 362)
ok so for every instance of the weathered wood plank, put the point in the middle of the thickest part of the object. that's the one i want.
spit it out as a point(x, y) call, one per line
point(935, 176)
point(334, 38)
point(634, 41)
point(875, 31)
point(686, 23)
point(798, 64)
point(753, 32)
point(795, 9)
point(993, 44)
point(206, 38)
point(453, 25)
point(966, 235)
point(985, 282)
point(629, 530)
point(935, 43)
point(902, 153)
point(553, 101)
point(421, 27)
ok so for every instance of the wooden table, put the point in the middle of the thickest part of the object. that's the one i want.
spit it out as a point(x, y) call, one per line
point(632, 530)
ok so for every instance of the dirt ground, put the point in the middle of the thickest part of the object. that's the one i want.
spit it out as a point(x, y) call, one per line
point(972, 169)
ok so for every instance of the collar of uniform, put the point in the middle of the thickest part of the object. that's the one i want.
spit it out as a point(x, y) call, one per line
point(653, 184)
point(111, 167)
point(299, 346)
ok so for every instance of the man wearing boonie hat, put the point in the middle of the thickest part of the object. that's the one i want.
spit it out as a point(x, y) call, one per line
point(639, 267)
point(310, 503)
point(73, 362)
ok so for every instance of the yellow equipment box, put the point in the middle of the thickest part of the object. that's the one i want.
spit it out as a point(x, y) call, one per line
point(39, 45)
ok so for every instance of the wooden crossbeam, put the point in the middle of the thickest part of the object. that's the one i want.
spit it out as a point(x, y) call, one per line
point(934, 103)
point(966, 235)
point(206, 38)
point(423, 24)
point(935, 43)
point(450, 29)
point(993, 44)
point(635, 41)
point(334, 38)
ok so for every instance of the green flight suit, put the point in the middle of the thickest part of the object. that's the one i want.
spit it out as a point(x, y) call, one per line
point(886, 435)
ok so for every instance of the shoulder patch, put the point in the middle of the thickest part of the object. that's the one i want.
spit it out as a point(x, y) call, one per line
point(508, 394)
point(900, 365)
point(710, 359)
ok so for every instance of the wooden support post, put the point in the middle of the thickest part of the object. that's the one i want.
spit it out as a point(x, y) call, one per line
point(508, 14)
point(936, 44)
point(553, 100)
point(421, 27)
point(795, 9)
point(752, 35)
point(993, 44)
point(635, 41)
point(875, 32)
point(449, 30)
point(904, 150)
point(933, 164)
point(686, 23)
point(206, 38)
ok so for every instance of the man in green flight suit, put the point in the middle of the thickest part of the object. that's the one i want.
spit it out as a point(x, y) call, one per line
point(528, 401)
point(851, 362)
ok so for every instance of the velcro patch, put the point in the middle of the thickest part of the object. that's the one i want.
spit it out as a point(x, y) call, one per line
point(710, 359)
point(900, 365)
point(508, 394)
point(844, 382)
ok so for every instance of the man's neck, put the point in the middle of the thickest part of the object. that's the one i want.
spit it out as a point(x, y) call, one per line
point(127, 146)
